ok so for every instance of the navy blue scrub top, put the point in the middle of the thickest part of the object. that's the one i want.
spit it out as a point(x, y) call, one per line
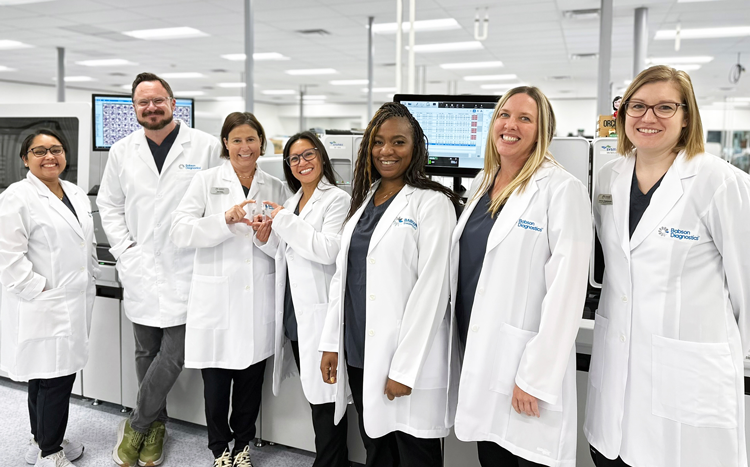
point(66, 202)
point(639, 201)
point(355, 304)
point(472, 247)
point(290, 320)
point(160, 151)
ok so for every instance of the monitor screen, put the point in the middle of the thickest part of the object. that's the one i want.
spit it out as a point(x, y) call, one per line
point(456, 128)
point(114, 118)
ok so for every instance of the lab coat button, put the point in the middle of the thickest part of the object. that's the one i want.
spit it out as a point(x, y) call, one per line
point(624, 299)
point(370, 333)
point(247, 287)
point(81, 292)
point(158, 224)
point(622, 338)
point(294, 285)
point(475, 328)
point(83, 269)
point(372, 297)
point(480, 290)
point(248, 260)
point(158, 253)
point(83, 244)
point(372, 260)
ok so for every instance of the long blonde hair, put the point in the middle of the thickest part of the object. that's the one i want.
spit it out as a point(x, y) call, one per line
point(539, 152)
point(691, 136)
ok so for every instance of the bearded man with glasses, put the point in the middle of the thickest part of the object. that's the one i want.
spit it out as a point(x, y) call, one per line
point(146, 175)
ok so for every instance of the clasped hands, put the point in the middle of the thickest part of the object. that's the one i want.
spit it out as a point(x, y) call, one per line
point(261, 224)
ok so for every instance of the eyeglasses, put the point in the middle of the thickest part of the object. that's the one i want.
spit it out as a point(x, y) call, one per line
point(661, 110)
point(41, 151)
point(157, 101)
point(295, 159)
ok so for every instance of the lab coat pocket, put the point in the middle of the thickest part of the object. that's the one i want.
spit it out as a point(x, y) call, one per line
point(693, 383)
point(208, 304)
point(44, 317)
point(129, 272)
point(434, 372)
point(511, 343)
point(596, 367)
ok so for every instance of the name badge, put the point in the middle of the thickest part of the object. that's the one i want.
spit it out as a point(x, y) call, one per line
point(219, 191)
point(605, 200)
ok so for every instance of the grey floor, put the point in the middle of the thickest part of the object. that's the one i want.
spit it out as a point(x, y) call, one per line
point(96, 427)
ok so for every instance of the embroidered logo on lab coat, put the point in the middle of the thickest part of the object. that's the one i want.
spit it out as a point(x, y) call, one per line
point(679, 234)
point(189, 167)
point(528, 225)
point(401, 221)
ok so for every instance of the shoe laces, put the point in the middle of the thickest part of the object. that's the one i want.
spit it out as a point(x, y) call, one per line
point(242, 459)
point(60, 459)
point(137, 439)
point(151, 436)
point(225, 460)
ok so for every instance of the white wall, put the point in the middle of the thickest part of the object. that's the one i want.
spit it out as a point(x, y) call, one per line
point(575, 114)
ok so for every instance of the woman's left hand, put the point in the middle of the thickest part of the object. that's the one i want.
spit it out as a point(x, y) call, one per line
point(276, 208)
point(394, 389)
point(263, 230)
point(524, 402)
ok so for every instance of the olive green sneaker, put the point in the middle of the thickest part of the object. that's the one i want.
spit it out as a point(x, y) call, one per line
point(152, 452)
point(129, 441)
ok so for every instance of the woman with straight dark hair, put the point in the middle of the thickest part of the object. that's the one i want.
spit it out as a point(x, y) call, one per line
point(47, 268)
point(303, 237)
point(230, 318)
point(666, 381)
point(386, 331)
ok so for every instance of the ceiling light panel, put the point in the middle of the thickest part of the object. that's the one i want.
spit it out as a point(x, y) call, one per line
point(448, 47)
point(312, 71)
point(502, 86)
point(165, 33)
point(20, 2)
point(232, 85)
point(444, 24)
point(182, 75)
point(258, 57)
point(490, 77)
point(385, 90)
point(5, 68)
point(76, 79)
point(106, 62)
point(705, 33)
point(6, 44)
point(659, 60)
point(279, 92)
point(348, 82)
point(188, 93)
point(471, 65)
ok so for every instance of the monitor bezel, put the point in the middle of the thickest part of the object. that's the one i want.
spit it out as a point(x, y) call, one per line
point(470, 98)
point(95, 96)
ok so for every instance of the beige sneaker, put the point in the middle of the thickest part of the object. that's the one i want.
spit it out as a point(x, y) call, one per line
point(57, 459)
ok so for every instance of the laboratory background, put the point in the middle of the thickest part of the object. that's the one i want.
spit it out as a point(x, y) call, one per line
point(327, 66)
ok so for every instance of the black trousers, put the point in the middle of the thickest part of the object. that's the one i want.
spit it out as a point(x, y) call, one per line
point(330, 440)
point(396, 448)
point(49, 406)
point(246, 395)
point(494, 455)
point(601, 461)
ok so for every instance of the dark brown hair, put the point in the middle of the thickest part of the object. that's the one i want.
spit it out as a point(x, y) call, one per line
point(26, 144)
point(365, 173)
point(236, 119)
point(149, 77)
point(328, 174)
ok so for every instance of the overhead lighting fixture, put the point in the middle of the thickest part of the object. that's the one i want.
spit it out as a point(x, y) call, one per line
point(313, 102)
point(7, 44)
point(258, 57)
point(684, 60)
point(348, 82)
point(165, 33)
point(695, 1)
point(732, 104)
point(447, 47)
point(582, 14)
point(740, 99)
point(704, 33)
point(229, 98)
point(127, 86)
point(314, 97)
point(584, 56)
point(380, 90)
point(76, 79)
point(182, 75)
point(312, 71)
point(471, 65)
point(107, 62)
point(232, 85)
point(5, 68)
point(188, 93)
point(444, 24)
point(489, 77)
point(20, 2)
point(683, 67)
point(279, 92)
point(502, 86)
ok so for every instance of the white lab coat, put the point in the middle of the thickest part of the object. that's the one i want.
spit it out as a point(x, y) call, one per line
point(526, 313)
point(230, 317)
point(306, 246)
point(136, 204)
point(666, 384)
point(47, 270)
point(406, 316)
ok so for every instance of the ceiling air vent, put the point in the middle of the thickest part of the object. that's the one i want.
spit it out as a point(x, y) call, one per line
point(313, 32)
point(588, 13)
point(559, 78)
point(587, 56)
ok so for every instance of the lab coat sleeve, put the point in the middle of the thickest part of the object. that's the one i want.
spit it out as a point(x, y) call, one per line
point(270, 246)
point(428, 302)
point(545, 359)
point(111, 203)
point(318, 246)
point(728, 221)
point(331, 336)
point(191, 227)
point(16, 271)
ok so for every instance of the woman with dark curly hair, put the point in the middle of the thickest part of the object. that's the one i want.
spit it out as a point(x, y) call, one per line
point(388, 307)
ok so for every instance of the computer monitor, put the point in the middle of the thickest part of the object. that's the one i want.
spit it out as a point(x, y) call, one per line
point(114, 118)
point(456, 128)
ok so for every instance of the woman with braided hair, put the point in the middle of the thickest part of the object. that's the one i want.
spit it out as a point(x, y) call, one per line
point(387, 315)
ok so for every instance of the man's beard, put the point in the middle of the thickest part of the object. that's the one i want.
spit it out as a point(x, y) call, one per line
point(158, 125)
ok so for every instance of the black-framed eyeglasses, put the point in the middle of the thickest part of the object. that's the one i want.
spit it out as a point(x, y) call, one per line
point(308, 155)
point(41, 151)
point(637, 109)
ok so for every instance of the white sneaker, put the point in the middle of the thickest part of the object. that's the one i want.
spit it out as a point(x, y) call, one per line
point(242, 459)
point(225, 460)
point(57, 459)
point(73, 450)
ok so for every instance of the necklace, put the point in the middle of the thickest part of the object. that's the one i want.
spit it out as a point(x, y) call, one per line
point(245, 177)
point(385, 196)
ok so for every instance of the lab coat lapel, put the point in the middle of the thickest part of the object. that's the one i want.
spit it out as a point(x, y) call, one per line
point(57, 205)
point(144, 152)
point(292, 202)
point(508, 217)
point(183, 138)
point(461, 225)
point(236, 193)
point(664, 198)
point(620, 191)
point(390, 214)
point(316, 196)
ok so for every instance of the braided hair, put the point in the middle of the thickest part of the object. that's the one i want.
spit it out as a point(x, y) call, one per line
point(365, 173)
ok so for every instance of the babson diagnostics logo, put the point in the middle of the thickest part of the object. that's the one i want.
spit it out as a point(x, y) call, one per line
point(189, 167)
point(679, 234)
point(405, 221)
point(528, 225)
